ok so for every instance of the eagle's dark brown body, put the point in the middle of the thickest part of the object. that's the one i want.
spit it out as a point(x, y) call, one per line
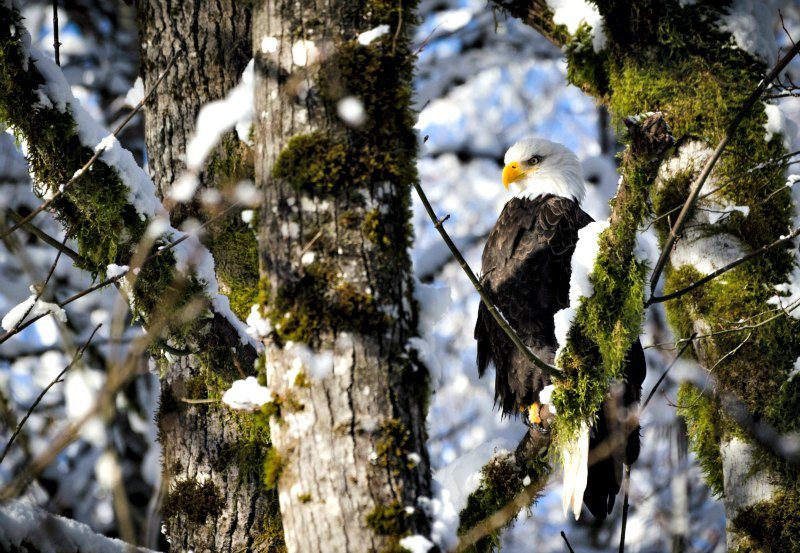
point(526, 270)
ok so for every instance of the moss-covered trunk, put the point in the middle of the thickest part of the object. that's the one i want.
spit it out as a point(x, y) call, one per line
point(335, 159)
point(214, 497)
point(680, 59)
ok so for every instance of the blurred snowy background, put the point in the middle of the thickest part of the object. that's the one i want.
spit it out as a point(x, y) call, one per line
point(483, 81)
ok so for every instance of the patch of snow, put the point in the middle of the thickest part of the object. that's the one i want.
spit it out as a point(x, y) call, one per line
point(113, 270)
point(416, 544)
point(414, 458)
point(751, 22)
point(269, 45)
point(23, 523)
point(257, 326)
point(795, 370)
point(136, 94)
point(307, 258)
point(305, 52)
point(574, 12)
point(706, 253)
point(579, 284)
point(247, 394)
point(247, 215)
point(218, 117)
point(367, 37)
point(452, 485)
point(32, 308)
point(247, 193)
point(351, 111)
point(775, 121)
point(546, 398)
point(183, 189)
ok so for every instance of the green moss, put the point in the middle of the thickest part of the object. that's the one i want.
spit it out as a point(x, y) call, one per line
point(586, 69)
point(193, 500)
point(704, 426)
point(501, 481)
point(392, 446)
point(313, 163)
point(235, 250)
point(320, 301)
point(387, 519)
point(273, 466)
point(772, 526)
point(304, 498)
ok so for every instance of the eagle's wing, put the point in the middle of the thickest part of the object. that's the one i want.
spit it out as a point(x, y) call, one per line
point(526, 269)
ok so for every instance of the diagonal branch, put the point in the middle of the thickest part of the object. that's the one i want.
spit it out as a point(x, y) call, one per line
point(487, 301)
point(56, 380)
point(697, 185)
point(97, 153)
point(711, 276)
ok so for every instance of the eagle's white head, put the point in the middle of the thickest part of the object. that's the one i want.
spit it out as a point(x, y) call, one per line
point(537, 167)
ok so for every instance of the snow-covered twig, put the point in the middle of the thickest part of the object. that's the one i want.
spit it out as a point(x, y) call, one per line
point(56, 380)
point(697, 185)
point(97, 153)
point(487, 301)
point(116, 278)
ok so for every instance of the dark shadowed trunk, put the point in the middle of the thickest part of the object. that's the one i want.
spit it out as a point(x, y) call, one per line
point(214, 497)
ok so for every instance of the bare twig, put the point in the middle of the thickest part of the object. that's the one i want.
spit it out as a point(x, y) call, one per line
point(98, 151)
point(711, 276)
point(36, 402)
point(44, 237)
point(56, 43)
point(664, 374)
point(626, 486)
point(697, 185)
point(487, 301)
point(569, 547)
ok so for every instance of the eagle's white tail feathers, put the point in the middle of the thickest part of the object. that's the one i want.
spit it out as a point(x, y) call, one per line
point(576, 470)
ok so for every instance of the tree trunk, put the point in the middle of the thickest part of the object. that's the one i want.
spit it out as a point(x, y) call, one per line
point(682, 60)
point(214, 497)
point(335, 159)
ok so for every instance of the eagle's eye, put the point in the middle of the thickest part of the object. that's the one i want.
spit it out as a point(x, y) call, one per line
point(534, 160)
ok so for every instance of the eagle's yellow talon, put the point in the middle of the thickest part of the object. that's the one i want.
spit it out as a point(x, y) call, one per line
point(533, 414)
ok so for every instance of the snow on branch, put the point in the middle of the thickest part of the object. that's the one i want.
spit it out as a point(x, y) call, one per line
point(40, 97)
point(27, 527)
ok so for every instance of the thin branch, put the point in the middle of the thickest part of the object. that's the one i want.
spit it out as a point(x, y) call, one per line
point(98, 152)
point(664, 374)
point(56, 380)
point(697, 185)
point(44, 237)
point(56, 43)
point(501, 517)
point(626, 486)
point(487, 301)
point(569, 547)
point(115, 279)
point(711, 276)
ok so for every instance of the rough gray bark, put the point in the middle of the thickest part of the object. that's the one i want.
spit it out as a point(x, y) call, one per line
point(350, 430)
point(214, 498)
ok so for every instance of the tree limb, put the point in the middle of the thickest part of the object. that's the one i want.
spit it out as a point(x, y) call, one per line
point(697, 185)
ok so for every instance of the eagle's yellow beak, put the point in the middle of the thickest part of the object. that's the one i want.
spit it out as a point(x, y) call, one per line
point(512, 173)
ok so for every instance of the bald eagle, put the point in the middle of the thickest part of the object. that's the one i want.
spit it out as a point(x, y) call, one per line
point(526, 269)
